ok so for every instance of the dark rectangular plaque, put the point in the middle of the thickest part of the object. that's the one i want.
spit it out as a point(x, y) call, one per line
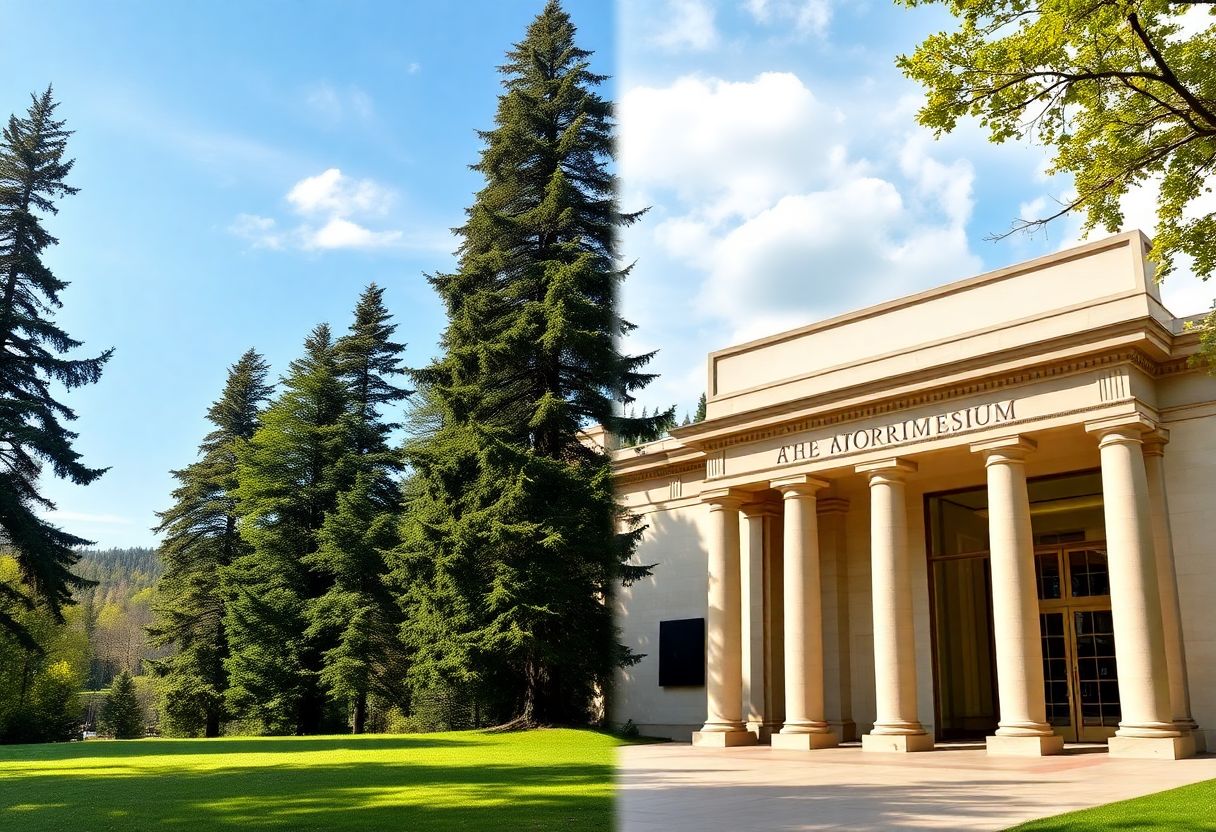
point(682, 653)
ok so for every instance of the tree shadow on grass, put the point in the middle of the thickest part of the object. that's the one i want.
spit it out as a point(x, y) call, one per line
point(347, 796)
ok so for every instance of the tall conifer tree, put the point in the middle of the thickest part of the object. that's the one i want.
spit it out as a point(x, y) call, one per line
point(289, 477)
point(201, 540)
point(33, 350)
point(511, 549)
point(356, 614)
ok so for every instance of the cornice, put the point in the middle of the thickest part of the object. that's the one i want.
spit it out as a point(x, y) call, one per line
point(1143, 334)
point(663, 470)
point(694, 455)
point(932, 396)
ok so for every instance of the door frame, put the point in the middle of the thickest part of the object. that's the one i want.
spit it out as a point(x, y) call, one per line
point(1068, 606)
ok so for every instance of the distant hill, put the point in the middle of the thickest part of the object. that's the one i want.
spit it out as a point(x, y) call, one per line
point(117, 610)
point(111, 568)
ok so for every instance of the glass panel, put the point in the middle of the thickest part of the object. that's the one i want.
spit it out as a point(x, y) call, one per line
point(966, 661)
point(1088, 573)
point(1067, 509)
point(959, 523)
point(1047, 576)
point(1055, 668)
point(1097, 673)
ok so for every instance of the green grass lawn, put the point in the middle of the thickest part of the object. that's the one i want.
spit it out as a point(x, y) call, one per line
point(546, 779)
point(1187, 809)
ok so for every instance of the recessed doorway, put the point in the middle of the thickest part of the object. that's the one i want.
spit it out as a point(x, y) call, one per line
point(1080, 673)
point(1081, 676)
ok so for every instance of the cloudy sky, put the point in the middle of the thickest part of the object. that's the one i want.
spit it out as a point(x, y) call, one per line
point(246, 168)
point(777, 146)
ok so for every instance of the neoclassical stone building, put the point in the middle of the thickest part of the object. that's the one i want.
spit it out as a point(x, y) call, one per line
point(986, 510)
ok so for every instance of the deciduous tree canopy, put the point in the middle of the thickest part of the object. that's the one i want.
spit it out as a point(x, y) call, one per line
point(1121, 90)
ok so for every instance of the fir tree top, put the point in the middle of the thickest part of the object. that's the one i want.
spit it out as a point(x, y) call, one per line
point(33, 173)
point(531, 347)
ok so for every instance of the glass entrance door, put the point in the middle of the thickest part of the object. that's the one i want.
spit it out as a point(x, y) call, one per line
point(1080, 675)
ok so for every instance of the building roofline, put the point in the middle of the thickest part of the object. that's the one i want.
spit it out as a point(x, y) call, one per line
point(1085, 250)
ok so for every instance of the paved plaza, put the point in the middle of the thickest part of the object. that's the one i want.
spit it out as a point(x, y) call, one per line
point(672, 787)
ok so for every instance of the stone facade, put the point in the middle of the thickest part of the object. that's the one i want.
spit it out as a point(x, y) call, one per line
point(803, 521)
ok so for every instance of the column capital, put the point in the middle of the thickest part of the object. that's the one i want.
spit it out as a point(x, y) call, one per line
point(1013, 448)
point(1155, 442)
point(724, 498)
point(1128, 428)
point(832, 505)
point(887, 470)
point(799, 484)
point(760, 508)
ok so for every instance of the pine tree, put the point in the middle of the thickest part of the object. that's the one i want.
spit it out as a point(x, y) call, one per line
point(33, 352)
point(122, 717)
point(702, 405)
point(510, 548)
point(201, 540)
point(288, 480)
point(357, 614)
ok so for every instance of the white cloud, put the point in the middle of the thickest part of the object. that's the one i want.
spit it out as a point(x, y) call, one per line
point(805, 16)
point(732, 146)
point(774, 209)
point(341, 233)
point(339, 105)
point(949, 185)
point(816, 254)
point(335, 194)
point(414, 68)
point(261, 232)
point(685, 26)
point(333, 209)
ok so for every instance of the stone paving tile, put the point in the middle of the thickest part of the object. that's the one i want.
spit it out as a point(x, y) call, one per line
point(673, 787)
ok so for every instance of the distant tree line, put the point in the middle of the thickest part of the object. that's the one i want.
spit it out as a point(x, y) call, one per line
point(103, 635)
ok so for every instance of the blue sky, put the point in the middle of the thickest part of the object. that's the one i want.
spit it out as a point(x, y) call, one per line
point(246, 168)
point(194, 123)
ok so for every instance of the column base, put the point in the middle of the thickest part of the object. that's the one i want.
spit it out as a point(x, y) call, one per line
point(896, 743)
point(763, 730)
point(804, 742)
point(722, 739)
point(1189, 726)
point(845, 731)
point(1152, 748)
point(1024, 746)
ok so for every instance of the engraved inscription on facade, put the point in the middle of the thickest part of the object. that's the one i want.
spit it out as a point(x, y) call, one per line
point(897, 433)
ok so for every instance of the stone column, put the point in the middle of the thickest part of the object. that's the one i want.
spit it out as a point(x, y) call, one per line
point(897, 727)
point(837, 665)
point(723, 628)
point(762, 620)
point(1167, 583)
point(805, 727)
point(1147, 728)
point(1023, 728)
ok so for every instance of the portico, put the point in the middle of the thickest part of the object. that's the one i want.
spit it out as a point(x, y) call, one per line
point(944, 516)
